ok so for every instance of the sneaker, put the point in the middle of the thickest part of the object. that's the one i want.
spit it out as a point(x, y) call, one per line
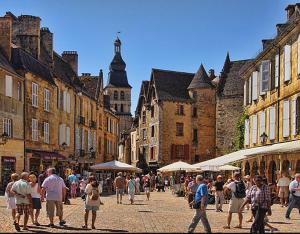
point(287, 217)
point(62, 223)
point(217, 211)
point(17, 227)
point(221, 210)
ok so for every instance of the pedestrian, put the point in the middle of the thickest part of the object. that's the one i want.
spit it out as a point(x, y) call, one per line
point(238, 193)
point(92, 202)
point(283, 189)
point(260, 198)
point(172, 183)
point(55, 189)
point(72, 177)
point(36, 199)
point(137, 185)
point(119, 185)
point(192, 188)
point(10, 196)
point(199, 204)
point(248, 182)
point(294, 189)
point(131, 186)
point(82, 185)
point(23, 200)
point(109, 184)
point(219, 195)
point(146, 186)
point(73, 189)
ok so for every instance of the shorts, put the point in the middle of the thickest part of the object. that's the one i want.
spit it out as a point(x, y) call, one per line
point(50, 206)
point(235, 204)
point(147, 189)
point(131, 195)
point(36, 203)
point(119, 192)
point(92, 208)
point(283, 192)
point(11, 203)
point(23, 208)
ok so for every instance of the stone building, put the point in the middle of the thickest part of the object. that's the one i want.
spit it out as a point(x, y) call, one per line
point(272, 101)
point(176, 118)
point(118, 89)
point(11, 109)
point(229, 104)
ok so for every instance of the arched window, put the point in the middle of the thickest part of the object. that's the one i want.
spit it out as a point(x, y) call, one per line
point(116, 95)
point(255, 168)
point(272, 172)
point(122, 95)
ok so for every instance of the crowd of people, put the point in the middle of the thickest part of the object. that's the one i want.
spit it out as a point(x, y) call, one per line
point(26, 192)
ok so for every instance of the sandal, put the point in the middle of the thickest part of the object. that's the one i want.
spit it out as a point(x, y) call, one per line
point(238, 226)
point(226, 227)
point(84, 227)
point(17, 227)
point(25, 228)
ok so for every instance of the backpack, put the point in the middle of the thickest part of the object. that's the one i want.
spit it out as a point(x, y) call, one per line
point(240, 191)
point(95, 194)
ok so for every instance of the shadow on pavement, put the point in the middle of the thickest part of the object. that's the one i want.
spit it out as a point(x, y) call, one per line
point(280, 222)
point(146, 211)
point(135, 204)
point(111, 230)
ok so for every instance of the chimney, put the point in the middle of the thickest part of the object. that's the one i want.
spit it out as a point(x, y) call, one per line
point(47, 43)
point(290, 9)
point(5, 36)
point(28, 34)
point(266, 43)
point(71, 57)
point(211, 73)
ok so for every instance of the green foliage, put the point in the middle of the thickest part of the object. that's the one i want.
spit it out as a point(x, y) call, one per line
point(239, 133)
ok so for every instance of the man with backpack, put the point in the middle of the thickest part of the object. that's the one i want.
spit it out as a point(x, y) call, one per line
point(238, 193)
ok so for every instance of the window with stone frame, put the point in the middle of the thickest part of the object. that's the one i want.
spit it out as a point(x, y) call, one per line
point(152, 111)
point(180, 152)
point(122, 95)
point(179, 129)
point(7, 126)
point(298, 115)
point(194, 114)
point(195, 135)
point(144, 117)
point(180, 109)
point(116, 95)
point(122, 108)
point(116, 107)
point(144, 134)
point(152, 131)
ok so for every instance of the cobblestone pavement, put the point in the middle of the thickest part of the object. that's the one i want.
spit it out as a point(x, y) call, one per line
point(163, 213)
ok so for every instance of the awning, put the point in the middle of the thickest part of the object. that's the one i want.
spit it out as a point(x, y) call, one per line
point(115, 166)
point(177, 166)
point(46, 155)
point(213, 164)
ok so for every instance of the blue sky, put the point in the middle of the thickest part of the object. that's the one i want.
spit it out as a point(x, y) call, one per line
point(166, 34)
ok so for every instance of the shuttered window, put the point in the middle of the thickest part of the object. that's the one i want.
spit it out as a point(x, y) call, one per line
point(68, 136)
point(264, 76)
point(250, 89)
point(262, 123)
point(272, 123)
point(77, 138)
point(247, 123)
point(8, 86)
point(299, 54)
point(94, 141)
point(68, 108)
point(34, 129)
point(89, 140)
point(46, 132)
point(254, 129)
point(62, 134)
point(287, 63)
point(254, 85)
point(294, 119)
point(34, 94)
point(298, 115)
point(286, 118)
point(46, 100)
point(277, 70)
point(7, 126)
point(65, 101)
point(82, 139)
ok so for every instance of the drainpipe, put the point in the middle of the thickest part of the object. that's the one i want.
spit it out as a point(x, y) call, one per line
point(278, 92)
point(24, 122)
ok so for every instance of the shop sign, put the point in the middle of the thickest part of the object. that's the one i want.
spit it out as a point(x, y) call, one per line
point(8, 159)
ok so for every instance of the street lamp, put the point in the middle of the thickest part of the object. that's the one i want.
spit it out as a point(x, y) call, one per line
point(263, 138)
point(4, 138)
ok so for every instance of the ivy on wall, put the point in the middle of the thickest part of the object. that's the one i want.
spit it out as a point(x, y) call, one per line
point(240, 132)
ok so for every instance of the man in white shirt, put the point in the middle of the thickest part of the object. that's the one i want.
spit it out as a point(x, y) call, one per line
point(294, 195)
point(283, 189)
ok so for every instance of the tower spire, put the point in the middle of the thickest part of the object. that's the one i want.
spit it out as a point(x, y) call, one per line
point(118, 45)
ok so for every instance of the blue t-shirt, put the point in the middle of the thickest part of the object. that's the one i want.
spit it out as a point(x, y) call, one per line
point(201, 191)
point(72, 178)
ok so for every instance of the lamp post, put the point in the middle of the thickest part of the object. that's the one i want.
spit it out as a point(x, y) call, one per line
point(263, 138)
point(3, 138)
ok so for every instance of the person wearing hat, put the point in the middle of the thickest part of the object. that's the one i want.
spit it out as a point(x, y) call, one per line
point(238, 193)
point(119, 184)
point(219, 195)
point(294, 188)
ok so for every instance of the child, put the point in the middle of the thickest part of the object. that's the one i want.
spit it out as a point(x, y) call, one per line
point(73, 189)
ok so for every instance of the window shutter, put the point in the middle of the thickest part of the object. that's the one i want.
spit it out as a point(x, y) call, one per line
point(77, 138)
point(65, 101)
point(294, 119)
point(262, 123)
point(94, 141)
point(254, 85)
point(83, 140)
point(254, 129)
point(68, 102)
point(287, 63)
point(276, 70)
point(60, 140)
point(247, 131)
point(8, 86)
point(264, 76)
point(89, 140)
point(68, 136)
point(186, 152)
point(250, 89)
point(298, 114)
point(286, 118)
point(299, 54)
point(272, 123)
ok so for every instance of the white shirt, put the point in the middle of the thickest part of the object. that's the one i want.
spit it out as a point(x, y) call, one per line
point(232, 187)
point(34, 191)
point(295, 184)
point(283, 181)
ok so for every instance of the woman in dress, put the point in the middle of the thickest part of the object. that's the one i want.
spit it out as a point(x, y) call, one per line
point(10, 196)
point(131, 189)
point(92, 201)
point(36, 199)
point(73, 189)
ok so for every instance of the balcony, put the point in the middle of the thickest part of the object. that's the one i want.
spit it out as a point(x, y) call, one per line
point(81, 120)
point(93, 124)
